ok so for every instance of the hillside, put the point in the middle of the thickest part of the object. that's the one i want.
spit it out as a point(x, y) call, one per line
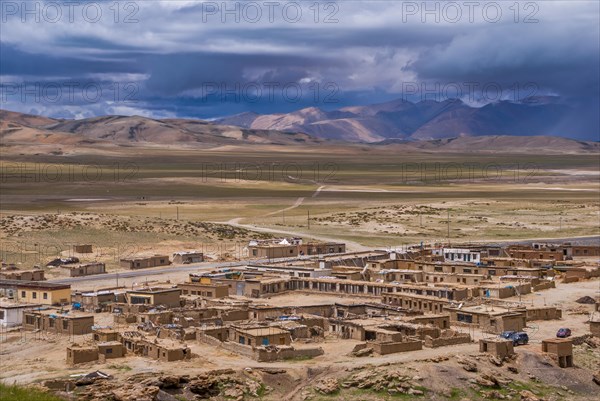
point(424, 120)
point(32, 134)
point(19, 128)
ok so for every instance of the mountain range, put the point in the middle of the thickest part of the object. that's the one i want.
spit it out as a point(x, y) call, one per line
point(424, 120)
point(31, 134)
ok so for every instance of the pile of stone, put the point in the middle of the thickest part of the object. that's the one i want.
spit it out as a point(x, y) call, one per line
point(393, 381)
point(148, 387)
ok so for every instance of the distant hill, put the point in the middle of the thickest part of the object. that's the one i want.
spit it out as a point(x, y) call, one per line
point(495, 144)
point(428, 119)
point(33, 134)
point(23, 128)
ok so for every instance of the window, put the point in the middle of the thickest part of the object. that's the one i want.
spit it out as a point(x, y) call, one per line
point(34, 294)
point(29, 320)
point(1, 315)
point(45, 295)
point(140, 300)
point(254, 252)
point(23, 294)
point(51, 322)
point(461, 317)
point(242, 340)
point(109, 350)
point(65, 325)
point(291, 251)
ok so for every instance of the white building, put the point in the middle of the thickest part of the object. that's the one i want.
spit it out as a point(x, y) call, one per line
point(461, 255)
point(12, 314)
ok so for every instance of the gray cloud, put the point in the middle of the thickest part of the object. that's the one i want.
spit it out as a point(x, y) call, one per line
point(177, 48)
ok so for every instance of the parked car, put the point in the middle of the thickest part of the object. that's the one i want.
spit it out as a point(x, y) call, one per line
point(507, 334)
point(563, 332)
point(519, 338)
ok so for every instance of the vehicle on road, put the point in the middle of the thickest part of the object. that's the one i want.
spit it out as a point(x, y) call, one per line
point(563, 332)
point(507, 334)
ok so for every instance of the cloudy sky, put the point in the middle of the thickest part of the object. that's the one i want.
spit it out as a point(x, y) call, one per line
point(209, 59)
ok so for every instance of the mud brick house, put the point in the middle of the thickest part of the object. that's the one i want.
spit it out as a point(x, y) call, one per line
point(37, 292)
point(440, 321)
point(110, 350)
point(560, 348)
point(273, 251)
point(82, 248)
point(288, 270)
point(321, 248)
point(77, 354)
point(23, 275)
point(58, 322)
point(169, 297)
point(204, 290)
point(543, 313)
point(421, 303)
point(585, 250)
point(106, 335)
point(86, 269)
point(162, 350)
point(145, 262)
point(286, 248)
point(498, 347)
point(489, 319)
point(185, 257)
point(260, 336)
point(506, 290)
point(98, 301)
point(524, 252)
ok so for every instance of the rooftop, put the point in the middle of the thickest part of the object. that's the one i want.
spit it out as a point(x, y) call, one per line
point(42, 285)
point(262, 331)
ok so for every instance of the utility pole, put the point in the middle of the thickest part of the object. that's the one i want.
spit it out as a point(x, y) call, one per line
point(420, 218)
point(448, 227)
point(560, 223)
point(308, 219)
point(283, 213)
point(177, 212)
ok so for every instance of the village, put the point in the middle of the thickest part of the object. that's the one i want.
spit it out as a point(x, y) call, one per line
point(310, 301)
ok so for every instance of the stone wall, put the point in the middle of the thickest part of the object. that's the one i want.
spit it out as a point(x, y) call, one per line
point(394, 347)
point(457, 338)
point(280, 353)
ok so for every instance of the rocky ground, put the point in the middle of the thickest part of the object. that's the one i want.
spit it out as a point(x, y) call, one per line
point(526, 376)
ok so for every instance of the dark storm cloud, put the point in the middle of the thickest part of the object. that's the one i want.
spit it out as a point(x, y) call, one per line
point(175, 55)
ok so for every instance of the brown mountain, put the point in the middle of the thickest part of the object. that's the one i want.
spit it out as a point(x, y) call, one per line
point(120, 130)
point(24, 133)
point(422, 120)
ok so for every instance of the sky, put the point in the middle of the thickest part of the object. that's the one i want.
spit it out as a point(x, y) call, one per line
point(209, 59)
